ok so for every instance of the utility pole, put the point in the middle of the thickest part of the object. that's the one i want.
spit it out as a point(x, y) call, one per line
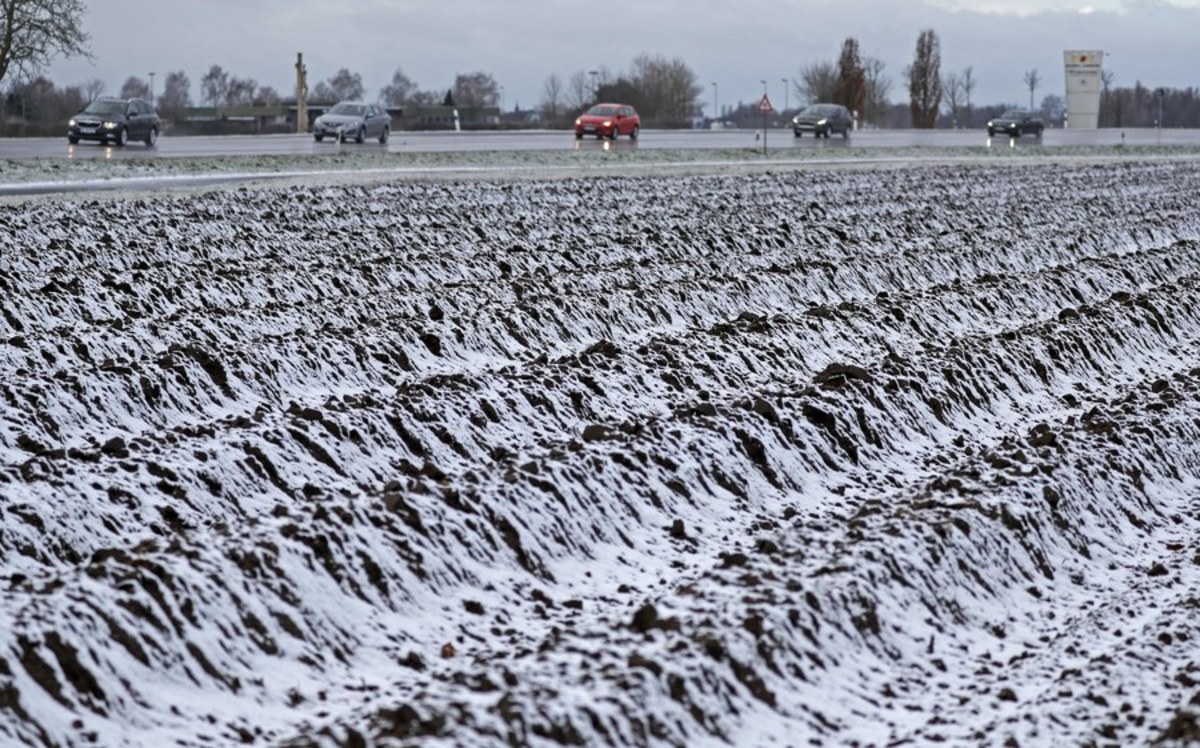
point(151, 88)
point(301, 94)
point(785, 97)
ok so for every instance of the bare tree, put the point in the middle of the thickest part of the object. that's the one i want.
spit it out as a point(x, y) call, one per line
point(476, 90)
point(267, 95)
point(322, 93)
point(1032, 80)
point(850, 89)
point(878, 86)
point(241, 91)
point(214, 86)
point(176, 95)
point(346, 86)
point(1052, 108)
point(579, 91)
point(38, 100)
point(93, 89)
point(425, 98)
point(33, 32)
point(664, 91)
point(1110, 115)
point(924, 81)
point(817, 82)
point(135, 88)
point(968, 83)
point(552, 98)
point(952, 92)
point(397, 93)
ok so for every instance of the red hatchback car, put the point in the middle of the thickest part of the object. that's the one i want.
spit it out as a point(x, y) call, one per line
point(609, 121)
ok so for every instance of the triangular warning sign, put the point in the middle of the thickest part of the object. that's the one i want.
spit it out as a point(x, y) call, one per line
point(764, 105)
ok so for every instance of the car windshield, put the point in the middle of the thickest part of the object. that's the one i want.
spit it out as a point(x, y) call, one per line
point(105, 106)
point(1012, 114)
point(353, 110)
point(819, 110)
point(603, 110)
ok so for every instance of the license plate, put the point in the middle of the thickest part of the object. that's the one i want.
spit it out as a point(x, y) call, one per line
point(88, 130)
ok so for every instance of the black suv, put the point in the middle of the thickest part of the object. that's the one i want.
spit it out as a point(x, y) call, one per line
point(1016, 122)
point(114, 120)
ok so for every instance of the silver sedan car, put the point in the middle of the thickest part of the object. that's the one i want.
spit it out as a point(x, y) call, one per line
point(353, 119)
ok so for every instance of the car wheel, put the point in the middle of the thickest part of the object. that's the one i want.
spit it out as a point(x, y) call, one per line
point(616, 133)
point(383, 135)
point(634, 133)
point(318, 137)
point(122, 136)
point(991, 133)
point(797, 133)
point(846, 133)
point(72, 140)
point(362, 135)
point(152, 137)
point(1017, 133)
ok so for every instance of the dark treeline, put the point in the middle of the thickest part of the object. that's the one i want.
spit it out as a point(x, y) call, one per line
point(666, 92)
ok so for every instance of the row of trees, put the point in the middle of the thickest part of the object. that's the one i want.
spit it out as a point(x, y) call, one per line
point(665, 91)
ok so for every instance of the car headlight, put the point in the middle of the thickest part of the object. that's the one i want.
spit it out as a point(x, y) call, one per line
point(579, 122)
point(71, 122)
point(608, 123)
point(822, 121)
point(110, 125)
point(990, 123)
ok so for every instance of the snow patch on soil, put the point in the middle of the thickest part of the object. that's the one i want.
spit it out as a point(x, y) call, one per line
point(897, 455)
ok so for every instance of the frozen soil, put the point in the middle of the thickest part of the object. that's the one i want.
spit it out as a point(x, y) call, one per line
point(847, 457)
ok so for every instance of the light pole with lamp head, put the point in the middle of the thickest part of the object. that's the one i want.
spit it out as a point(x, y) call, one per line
point(594, 74)
point(152, 88)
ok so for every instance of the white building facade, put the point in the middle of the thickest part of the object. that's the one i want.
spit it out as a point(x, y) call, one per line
point(1083, 68)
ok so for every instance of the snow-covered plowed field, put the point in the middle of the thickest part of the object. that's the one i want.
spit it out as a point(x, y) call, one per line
point(810, 457)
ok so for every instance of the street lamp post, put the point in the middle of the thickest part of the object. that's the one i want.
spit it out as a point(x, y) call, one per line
point(151, 88)
point(716, 111)
point(594, 74)
point(785, 96)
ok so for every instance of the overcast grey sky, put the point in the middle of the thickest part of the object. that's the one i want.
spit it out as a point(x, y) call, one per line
point(733, 43)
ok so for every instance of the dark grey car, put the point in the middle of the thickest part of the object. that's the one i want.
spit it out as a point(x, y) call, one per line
point(1015, 123)
point(823, 119)
point(353, 119)
point(115, 120)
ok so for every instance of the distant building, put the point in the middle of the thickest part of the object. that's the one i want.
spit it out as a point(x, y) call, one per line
point(1083, 68)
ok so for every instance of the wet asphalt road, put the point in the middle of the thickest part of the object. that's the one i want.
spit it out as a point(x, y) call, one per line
point(539, 140)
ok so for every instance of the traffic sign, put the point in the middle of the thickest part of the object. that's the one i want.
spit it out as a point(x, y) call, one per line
point(764, 105)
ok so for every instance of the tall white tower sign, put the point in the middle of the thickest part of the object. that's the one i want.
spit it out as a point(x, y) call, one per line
point(1082, 67)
